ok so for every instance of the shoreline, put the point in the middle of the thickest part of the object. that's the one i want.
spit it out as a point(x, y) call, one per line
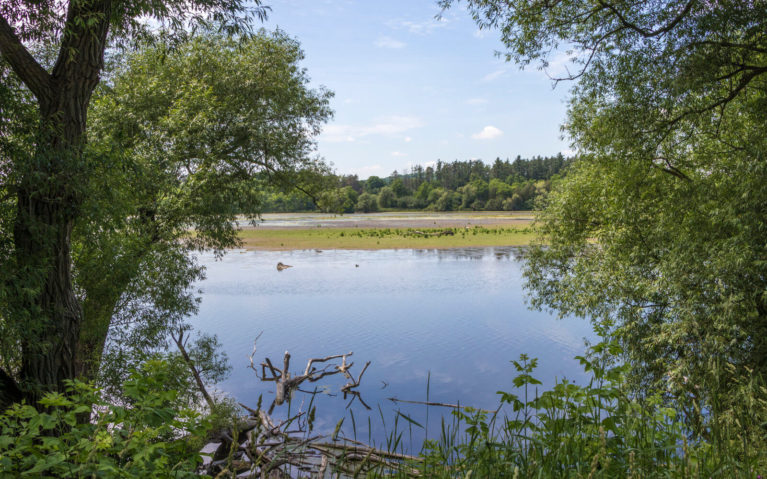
point(384, 238)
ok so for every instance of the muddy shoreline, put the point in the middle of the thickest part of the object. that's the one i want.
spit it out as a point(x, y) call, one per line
point(287, 221)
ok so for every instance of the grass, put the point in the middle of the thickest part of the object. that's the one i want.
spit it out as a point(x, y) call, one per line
point(385, 238)
point(598, 430)
point(602, 429)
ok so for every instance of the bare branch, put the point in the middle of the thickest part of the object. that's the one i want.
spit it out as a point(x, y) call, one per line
point(180, 342)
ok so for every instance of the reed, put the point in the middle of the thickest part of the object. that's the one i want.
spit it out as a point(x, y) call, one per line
point(598, 430)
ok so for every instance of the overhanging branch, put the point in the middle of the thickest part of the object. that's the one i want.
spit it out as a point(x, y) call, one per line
point(22, 62)
point(644, 32)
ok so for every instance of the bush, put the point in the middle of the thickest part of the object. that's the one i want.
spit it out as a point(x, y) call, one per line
point(147, 438)
point(601, 430)
point(366, 203)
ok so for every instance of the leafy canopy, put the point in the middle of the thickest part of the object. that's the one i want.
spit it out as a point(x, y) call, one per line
point(657, 232)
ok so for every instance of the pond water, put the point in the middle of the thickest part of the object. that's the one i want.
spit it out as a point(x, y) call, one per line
point(448, 321)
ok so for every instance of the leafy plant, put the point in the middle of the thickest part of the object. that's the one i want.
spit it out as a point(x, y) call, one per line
point(78, 434)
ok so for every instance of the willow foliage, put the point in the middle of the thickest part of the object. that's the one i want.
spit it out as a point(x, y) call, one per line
point(658, 232)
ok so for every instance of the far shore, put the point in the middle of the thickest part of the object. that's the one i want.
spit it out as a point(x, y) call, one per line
point(390, 230)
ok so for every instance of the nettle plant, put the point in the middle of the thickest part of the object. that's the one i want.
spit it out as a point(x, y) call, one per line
point(148, 436)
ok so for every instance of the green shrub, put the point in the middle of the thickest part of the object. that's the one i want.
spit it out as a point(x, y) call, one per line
point(599, 430)
point(148, 437)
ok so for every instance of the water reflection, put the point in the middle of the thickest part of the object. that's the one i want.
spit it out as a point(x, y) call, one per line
point(499, 253)
point(453, 318)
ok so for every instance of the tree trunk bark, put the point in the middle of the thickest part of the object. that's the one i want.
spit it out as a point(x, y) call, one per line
point(47, 204)
point(49, 196)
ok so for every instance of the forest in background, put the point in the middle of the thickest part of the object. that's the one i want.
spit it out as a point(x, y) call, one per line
point(447, 186)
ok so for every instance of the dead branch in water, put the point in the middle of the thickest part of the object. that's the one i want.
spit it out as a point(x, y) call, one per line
point(286, 383)
point(264, 448)
point(180, 341)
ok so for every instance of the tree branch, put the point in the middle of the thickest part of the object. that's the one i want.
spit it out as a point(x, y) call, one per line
point(22, 62)
point(179, 340)
point(649, 33)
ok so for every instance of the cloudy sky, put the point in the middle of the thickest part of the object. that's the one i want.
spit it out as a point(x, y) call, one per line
point(411, 89)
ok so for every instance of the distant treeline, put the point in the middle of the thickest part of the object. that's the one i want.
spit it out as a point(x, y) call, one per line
point(459, 185)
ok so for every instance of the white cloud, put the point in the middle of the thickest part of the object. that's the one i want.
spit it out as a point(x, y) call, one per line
point(408, 139)
point(479, 33)
point(368, 170)
point(476, 101)
point(488, 133)
point(425, 27)
point(386, 126)
point(568, 152)
point(398, 153)
point(494, 75)
point(388, 42)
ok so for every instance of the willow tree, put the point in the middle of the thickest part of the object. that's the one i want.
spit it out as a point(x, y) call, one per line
point(40, 305)
point(658, 231)
point(183, 139)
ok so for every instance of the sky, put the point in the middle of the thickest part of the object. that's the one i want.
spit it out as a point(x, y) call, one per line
point(411, 89)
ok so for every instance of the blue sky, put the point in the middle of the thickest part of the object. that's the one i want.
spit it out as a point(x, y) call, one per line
point(410, 89)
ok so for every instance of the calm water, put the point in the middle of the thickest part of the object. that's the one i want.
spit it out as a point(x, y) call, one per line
point(454, 316)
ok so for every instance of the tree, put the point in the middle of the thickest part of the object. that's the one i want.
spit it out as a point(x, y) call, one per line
point(199, 131)
point(338, 200)
point(366, 203)
point(386, 197)
point(49, 178)
point(657, 231)
point(373, 184)
point(398, 187)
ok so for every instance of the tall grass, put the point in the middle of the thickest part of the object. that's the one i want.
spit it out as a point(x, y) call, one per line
point(600, 430)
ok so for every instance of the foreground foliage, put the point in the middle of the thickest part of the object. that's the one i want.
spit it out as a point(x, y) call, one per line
point(146, 437)
point(657, 232)
point(602, 429)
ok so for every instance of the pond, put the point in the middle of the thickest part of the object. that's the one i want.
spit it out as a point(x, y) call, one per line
point(436, 324)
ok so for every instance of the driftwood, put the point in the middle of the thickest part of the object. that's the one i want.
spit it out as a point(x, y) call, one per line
point(255, 446)
point(269, 450)
point(285, 383)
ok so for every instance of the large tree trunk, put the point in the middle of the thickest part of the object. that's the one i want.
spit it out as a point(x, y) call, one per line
point(42, 237)
point(48, 202)
point(49, 196)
